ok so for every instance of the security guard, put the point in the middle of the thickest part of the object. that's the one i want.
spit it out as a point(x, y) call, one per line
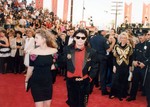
point(101, 45)
point(140, 63)
point(146, 81)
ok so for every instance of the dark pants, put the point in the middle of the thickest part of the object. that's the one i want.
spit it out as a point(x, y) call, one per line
point(18, 64)
point(11, 64)
point(147, 88)
point(138, 76)
point(109, 70)
point(78, 92)
point(103, 72)
point(3, 64)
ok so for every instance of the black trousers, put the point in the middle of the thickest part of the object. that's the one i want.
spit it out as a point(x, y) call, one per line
point(147, 88)
point(103, 72)
point(138, 76)
point(78, 92)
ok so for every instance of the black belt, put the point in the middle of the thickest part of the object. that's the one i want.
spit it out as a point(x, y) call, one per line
point(77, 78)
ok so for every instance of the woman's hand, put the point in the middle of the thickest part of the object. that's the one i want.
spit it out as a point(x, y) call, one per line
point(26, 84)
point(114, 69)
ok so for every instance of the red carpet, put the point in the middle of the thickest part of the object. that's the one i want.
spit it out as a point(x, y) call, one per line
point(12, 94)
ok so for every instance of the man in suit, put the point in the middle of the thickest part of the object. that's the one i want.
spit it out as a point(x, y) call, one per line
point(81, 69)
point(69, 37)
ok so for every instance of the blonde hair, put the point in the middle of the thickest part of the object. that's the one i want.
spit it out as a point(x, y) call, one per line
point(47, 35)
point(11, 31)
point(30, 30)
point(125, 34)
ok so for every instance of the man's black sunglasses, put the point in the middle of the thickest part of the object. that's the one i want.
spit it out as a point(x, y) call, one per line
point(83, 38)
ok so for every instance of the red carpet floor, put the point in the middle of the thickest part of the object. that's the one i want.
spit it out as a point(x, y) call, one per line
point(12, 94)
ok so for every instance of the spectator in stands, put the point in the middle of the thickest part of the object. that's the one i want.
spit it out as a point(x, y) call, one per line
point(29, 45)
point(17, 51)
point(4, 51)
point(2, 17)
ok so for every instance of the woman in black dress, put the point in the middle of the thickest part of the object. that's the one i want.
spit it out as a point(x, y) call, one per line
point(121, 66)
point(4, 51)
point(39, 76)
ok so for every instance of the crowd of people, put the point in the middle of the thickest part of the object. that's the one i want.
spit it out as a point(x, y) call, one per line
point(37, 42)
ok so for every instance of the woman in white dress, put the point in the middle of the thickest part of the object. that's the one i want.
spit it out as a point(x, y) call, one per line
point(29, 46)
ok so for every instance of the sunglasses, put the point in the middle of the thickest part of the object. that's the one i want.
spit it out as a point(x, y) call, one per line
point(83, 38)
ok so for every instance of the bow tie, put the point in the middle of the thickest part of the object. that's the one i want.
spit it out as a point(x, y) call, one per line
point(77, 49)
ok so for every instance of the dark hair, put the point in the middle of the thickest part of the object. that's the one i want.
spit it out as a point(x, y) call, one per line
point(100, 31)
point(18, 32)
point(82, 31)
point(107, 36)
point(113, 30)
point(53, 32)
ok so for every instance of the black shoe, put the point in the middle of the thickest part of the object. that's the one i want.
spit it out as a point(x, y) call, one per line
point(130, 99)
point(105, 93)
point(120, 99)
point(68, 102)
point(15, 72)
point(124, 96)
point(24, 72)
point(111, 97)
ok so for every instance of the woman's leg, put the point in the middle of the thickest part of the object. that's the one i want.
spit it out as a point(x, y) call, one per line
point(47, 103)
point(39, 104)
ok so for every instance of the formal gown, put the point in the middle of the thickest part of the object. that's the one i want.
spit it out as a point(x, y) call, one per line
point(41, 79)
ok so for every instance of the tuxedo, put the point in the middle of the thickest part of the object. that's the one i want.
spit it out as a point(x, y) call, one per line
point(90, 65)
point(78, 91)
point(68, 40)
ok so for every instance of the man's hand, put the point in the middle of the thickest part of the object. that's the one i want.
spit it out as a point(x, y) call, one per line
point(141, 65)
point(135, 63)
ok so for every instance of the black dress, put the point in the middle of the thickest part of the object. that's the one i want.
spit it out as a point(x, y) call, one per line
point(122, 61)
point(41, 79)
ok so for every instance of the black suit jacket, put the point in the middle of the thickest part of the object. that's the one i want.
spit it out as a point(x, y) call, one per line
point(66, 40)
point(90, 64)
